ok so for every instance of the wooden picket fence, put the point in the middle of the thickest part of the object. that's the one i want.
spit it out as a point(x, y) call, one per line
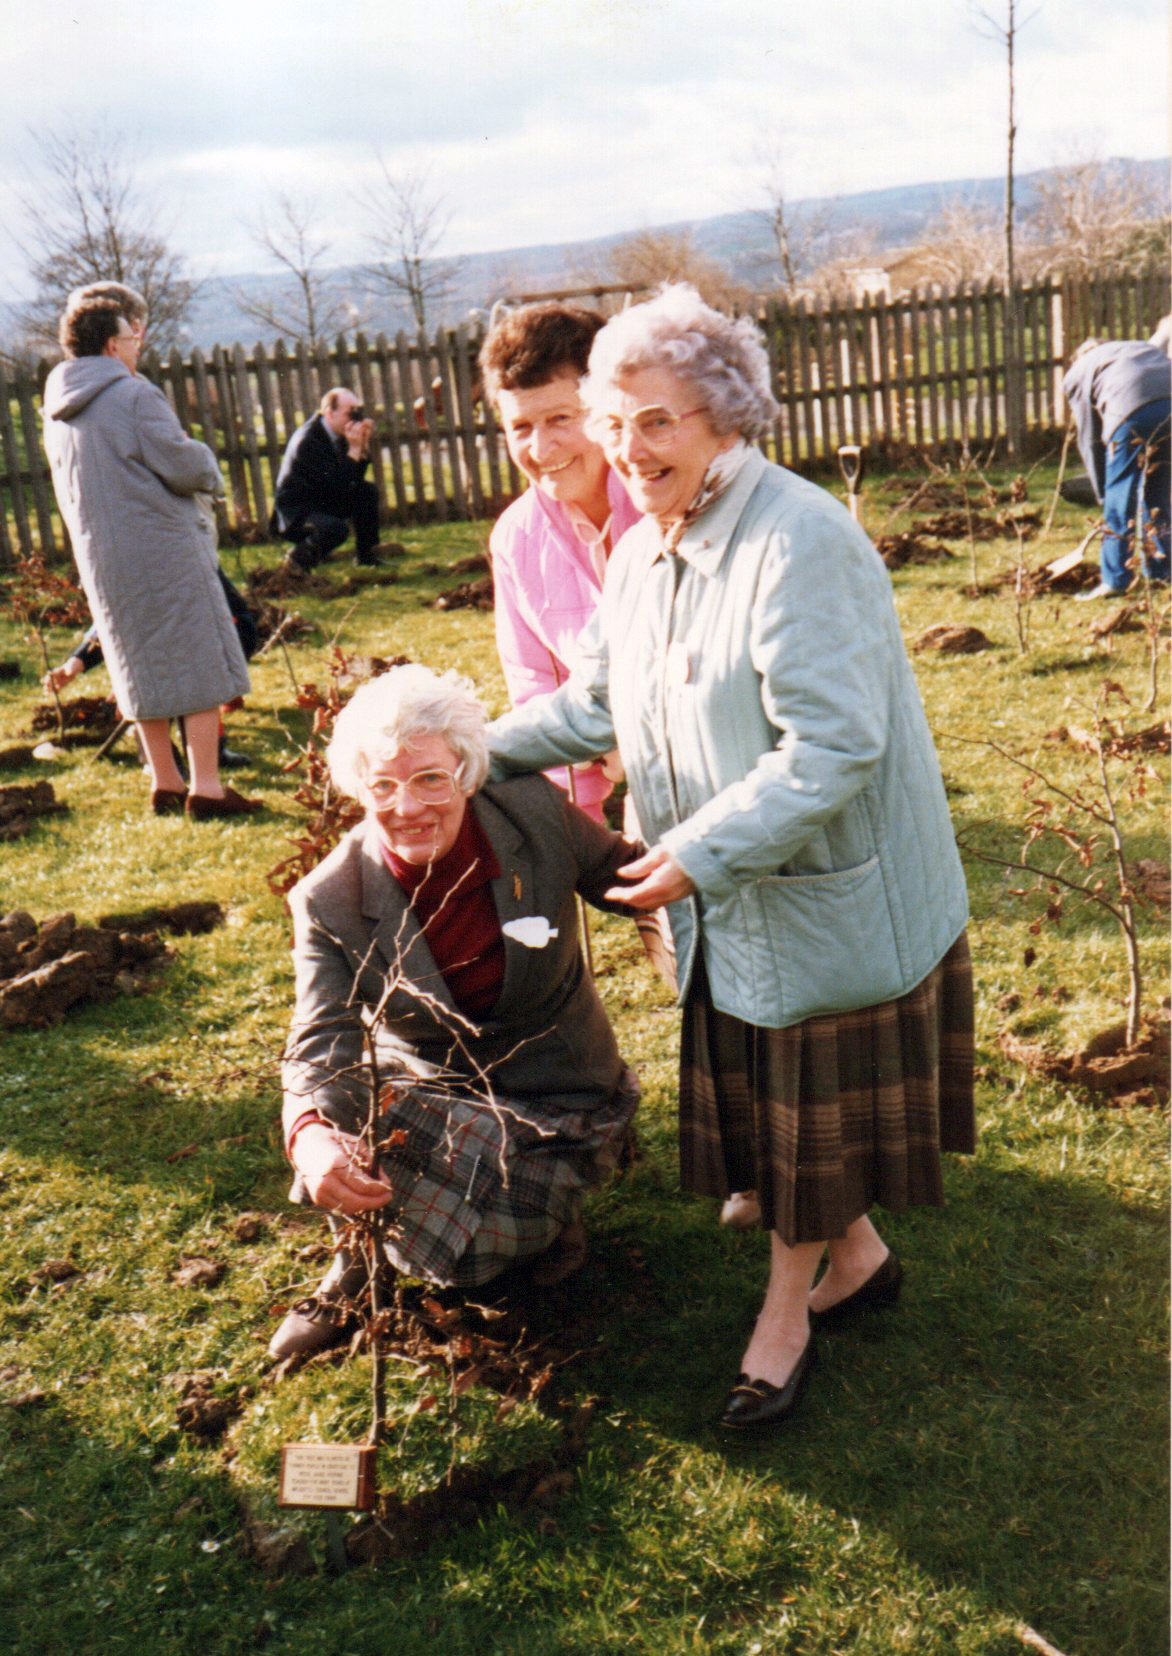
point(925, 373)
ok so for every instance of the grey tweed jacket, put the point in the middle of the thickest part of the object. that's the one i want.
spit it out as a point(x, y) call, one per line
point(358, 946)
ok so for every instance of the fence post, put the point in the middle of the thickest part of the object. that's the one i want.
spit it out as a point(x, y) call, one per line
point(248, 428)
point(37, 465)
point(465, 352)
point(386, 378)
point(414, 435)
point(12, 468)
point(447, 407)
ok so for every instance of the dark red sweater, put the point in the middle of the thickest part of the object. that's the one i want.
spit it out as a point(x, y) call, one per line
point(454, 906)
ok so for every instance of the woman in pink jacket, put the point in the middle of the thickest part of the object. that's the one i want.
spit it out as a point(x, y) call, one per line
point(549, 549)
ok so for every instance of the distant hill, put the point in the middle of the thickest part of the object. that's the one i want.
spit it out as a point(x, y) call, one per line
point(892, 218)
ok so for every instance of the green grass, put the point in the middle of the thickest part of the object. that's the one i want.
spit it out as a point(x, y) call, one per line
point(991, 1454)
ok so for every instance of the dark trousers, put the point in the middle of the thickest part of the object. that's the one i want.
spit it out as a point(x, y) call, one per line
point(319, 533)
point(1135, 496)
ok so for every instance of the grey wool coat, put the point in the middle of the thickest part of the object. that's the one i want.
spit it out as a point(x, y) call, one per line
point(125, 475)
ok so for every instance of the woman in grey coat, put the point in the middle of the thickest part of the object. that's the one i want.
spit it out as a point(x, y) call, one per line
point(126, 478)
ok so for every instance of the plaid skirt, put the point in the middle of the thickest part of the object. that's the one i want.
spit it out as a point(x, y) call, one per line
point(833, 1114)
point(479, 1187)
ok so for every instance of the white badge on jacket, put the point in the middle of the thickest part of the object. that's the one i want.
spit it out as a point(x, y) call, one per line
point(533, 930)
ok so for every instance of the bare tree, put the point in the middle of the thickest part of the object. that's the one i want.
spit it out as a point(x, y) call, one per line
point(407, 222)
point(1006, 34)
point(963, 243)
point(307, 306)
point(1092, 215)
point(798, 238)
point(644, 260)
point(87, 220)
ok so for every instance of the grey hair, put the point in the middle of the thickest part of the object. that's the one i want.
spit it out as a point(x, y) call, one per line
point(130, 302)
point(392, 711)
point(722, 357)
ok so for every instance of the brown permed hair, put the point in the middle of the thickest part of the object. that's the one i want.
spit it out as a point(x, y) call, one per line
point(535, 344)
point(87, 325)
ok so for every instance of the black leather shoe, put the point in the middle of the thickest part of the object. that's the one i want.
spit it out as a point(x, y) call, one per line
point(299, 560)
point(230, 759)
point(880, 1289)
point(755, 1405)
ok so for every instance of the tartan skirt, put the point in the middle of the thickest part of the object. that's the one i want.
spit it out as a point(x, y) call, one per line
point(480, 1186)
point(833, 1114)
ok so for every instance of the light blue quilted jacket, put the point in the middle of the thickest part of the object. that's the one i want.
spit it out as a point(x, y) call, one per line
point(757, 687)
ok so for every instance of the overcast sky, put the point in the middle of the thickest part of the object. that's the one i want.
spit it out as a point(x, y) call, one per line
point(552, 120)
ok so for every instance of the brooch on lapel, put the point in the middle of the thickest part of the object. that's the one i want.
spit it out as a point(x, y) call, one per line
point(516, 888)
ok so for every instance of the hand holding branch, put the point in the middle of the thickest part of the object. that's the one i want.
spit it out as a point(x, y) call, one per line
point(330, 1162)
point(58, 677)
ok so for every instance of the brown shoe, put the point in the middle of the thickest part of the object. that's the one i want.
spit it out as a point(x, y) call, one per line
point(165, 801)
point(203, 808)
point(567, 1255)
point(314, 1324)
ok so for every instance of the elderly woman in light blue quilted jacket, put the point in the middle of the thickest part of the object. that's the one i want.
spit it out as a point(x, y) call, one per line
point(747, 662)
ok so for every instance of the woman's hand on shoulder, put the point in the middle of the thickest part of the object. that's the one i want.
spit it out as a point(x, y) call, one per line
point(330, 1163)
point(654, 879)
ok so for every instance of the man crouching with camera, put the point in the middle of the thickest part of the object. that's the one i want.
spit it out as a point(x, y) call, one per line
point(322, 489)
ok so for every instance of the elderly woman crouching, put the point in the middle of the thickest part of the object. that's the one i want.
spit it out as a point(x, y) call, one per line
point(747, 661)
point(444, 926)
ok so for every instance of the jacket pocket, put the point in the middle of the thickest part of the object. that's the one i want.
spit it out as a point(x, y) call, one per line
point(829, 938)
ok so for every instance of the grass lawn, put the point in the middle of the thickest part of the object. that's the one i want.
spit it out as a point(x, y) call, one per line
point(990, 1455)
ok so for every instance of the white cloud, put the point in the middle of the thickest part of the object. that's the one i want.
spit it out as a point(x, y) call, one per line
point(548, 120)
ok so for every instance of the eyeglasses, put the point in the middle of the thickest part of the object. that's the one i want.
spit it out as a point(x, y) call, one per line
point(656, 426)
point(425, 787)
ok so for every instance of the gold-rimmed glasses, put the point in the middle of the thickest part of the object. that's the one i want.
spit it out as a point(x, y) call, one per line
point(654, 425)
point(425, 787)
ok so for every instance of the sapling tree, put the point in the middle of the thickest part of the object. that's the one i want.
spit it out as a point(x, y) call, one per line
point(36, 597)
point(446, 1096)
point(1073, 837)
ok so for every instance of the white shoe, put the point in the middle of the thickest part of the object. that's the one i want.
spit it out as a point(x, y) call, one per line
point(742, 1210)
point(1100, 591)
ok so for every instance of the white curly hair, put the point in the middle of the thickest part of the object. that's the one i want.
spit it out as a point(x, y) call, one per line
point(721, 357)
point(394, 710)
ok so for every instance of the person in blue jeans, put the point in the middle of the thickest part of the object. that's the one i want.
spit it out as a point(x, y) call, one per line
point(1119, 393)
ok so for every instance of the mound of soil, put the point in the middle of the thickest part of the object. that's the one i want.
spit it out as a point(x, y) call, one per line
point(88, 720)
point(19, 804)
point(47, 969)
point(476, 564)
point(403, 1526)
point(202, 1412)
point(959, 525)
point(1040, 582)
point(279, 582)
point(953, 640)
point(468, 595)
point(1107, 1067)
point(16, 758)
point(9, 669)
point(1117, 744)
point(909, 547)
point(180, 919)
point(272, 619)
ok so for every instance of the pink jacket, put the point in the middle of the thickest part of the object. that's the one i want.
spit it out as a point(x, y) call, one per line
point(547, 588)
